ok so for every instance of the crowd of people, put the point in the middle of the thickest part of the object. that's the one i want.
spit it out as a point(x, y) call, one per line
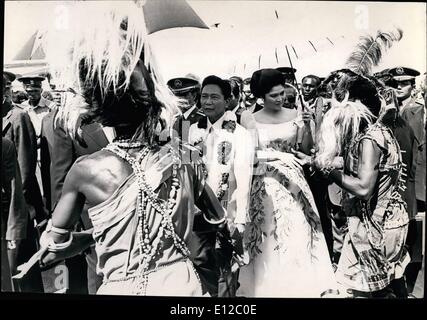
point(257, 187)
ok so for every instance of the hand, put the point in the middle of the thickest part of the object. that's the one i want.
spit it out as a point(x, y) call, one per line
point(301, 157)
point(338, 163)
point(81, 241)
point(273, 155)
point(12, 255)
point(240, 227)
point(307, 116)
point(289, 158)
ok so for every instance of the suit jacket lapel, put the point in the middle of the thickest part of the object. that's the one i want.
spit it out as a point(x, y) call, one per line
point(6, 123)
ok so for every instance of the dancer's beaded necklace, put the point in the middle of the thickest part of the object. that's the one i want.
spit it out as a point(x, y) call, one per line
point(146, 195)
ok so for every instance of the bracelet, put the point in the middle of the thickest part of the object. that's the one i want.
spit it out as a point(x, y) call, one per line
point(213, 221)
point(46, 241)
point(50, 227)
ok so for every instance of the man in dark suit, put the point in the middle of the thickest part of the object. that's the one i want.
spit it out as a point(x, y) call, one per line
point(17, 127)
point(14, 214)
point(63, 151)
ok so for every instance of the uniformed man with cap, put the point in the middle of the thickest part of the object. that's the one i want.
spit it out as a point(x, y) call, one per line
point(405, 84)
point(17, 127)
point(412, 113)
point(412, 110)
point(188, 89)
point(36, 106)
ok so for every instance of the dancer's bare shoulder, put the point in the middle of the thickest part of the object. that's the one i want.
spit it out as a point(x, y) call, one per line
point(98, 175)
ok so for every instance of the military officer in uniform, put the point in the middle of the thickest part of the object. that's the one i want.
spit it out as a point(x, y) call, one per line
point(405, 85)
point(188, 89)
point(37, 108)
point(412, 111)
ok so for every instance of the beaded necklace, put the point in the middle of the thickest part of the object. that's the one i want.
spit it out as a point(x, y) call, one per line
point(146, 195)
point(126, 144)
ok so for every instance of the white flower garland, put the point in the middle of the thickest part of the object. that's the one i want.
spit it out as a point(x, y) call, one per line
point(222, 149)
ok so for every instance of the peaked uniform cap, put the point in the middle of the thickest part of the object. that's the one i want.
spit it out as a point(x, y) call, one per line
point(182, 85)
point(403, 73)
point(32, 82)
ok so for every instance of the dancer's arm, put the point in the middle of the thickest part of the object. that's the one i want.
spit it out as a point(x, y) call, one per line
point(65, 215)
point(70, 205)
point(363, 185)
point(81, 241)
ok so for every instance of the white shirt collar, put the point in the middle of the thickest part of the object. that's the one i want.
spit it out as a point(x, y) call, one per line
point(42, 103)
point(217, 125)
point(187, 113)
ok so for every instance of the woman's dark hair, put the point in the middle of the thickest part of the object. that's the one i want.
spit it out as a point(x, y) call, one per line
point(264, 80)
point(224, 85)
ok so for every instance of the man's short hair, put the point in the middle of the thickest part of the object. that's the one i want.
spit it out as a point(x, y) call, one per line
point(312, 76)
point(224, 85)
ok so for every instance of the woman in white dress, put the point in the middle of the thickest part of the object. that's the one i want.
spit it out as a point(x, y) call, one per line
point(285, 242)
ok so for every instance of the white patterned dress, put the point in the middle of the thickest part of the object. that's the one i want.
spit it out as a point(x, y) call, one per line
point(289, 256)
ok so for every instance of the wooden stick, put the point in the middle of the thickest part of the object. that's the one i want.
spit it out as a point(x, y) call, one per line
point(296, 82)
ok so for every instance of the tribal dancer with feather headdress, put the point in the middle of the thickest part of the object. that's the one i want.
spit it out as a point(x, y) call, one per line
point(140, 195)
point(360, 154)
point(373, 254)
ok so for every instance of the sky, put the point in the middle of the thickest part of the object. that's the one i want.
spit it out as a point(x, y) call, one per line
point(250, 35)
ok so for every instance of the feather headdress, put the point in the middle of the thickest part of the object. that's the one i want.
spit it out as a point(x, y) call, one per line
point(106, 39)
point(339, 127)
point(369, 51)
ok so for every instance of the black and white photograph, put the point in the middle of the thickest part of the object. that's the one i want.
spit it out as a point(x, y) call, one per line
point(214, 149)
